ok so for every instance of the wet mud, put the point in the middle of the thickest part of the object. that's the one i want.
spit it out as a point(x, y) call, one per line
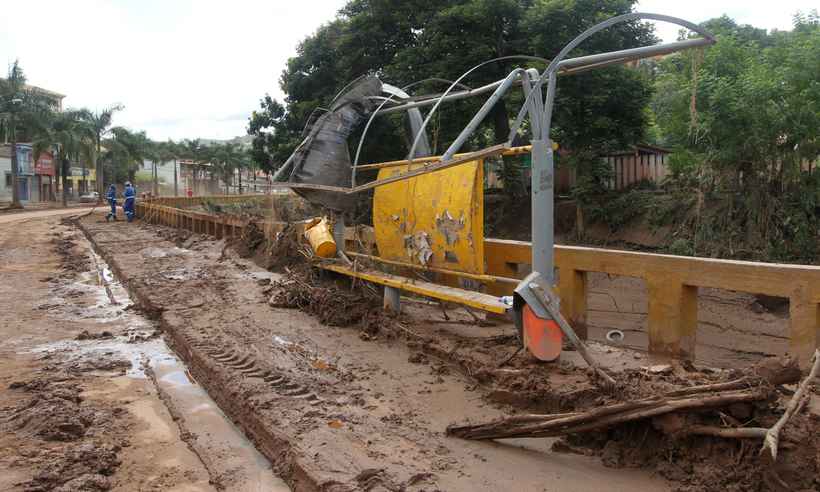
point(363, 404)
point(332, 408)
point(79, 410)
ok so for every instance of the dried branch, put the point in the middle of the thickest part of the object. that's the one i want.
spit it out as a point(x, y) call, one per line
point(772, 439)
point(600, 418)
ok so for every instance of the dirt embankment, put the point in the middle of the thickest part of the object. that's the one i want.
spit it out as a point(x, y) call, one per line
point(343, 409)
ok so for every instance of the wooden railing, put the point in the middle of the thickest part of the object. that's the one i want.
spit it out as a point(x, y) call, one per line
point(672, 281)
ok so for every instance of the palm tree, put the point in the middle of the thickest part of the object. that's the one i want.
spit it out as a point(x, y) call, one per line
point(153, 154)
point(101, 122)
point(125, 151)
point(21, 111)
point(72, 136)
point(245, 161)
point(215, 156)
point(228, 160)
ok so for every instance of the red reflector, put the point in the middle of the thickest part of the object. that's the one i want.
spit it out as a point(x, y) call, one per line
point(542, 337)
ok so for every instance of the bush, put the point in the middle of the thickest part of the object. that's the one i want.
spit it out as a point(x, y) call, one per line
point(681, 247)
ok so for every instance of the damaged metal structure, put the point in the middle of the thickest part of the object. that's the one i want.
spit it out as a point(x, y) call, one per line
point(428, 210)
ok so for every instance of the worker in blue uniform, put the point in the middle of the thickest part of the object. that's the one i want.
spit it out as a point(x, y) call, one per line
point(111, 196)
point(130, 200)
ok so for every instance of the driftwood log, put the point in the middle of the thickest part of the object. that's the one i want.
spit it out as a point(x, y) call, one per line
point(757, 387)
point(603, 417)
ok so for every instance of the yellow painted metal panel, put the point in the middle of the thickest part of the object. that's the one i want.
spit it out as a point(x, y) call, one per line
point(435, 219)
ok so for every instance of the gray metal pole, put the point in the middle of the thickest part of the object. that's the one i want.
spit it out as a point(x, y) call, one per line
point(339, 231)
point(481, 114)
point(568, 66)
point(542, 155)
point(285, 166)
point(542, 209)
point(415, 120)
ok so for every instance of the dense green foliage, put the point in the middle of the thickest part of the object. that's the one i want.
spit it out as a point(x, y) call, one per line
point(744, 118)
point(403, 42)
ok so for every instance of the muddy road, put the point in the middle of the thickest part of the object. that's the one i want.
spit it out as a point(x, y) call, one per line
point(209, 382)
point(335, 409)
point(91, 397)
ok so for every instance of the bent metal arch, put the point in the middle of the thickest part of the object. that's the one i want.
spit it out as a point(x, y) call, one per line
point(537, 106)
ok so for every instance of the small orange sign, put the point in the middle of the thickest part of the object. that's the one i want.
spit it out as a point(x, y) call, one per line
point(542, 337)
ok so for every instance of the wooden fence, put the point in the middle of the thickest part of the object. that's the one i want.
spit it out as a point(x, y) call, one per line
point(672, 281)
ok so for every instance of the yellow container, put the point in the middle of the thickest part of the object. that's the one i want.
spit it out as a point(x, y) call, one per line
point(319, 235)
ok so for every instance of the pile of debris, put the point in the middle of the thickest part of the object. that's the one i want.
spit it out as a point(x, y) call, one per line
point(284, 250)
point(692, 428)
point(332, 304)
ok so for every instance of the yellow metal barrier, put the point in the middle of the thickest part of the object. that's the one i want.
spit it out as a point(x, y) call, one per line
point(434, 220)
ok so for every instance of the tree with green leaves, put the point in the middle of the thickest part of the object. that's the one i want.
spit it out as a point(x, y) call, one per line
point(197, 153)
point(403, 42)
point(101, 121)
point(744, 117)
point(175, 152)
point(225, 161)
point(125, 152)
point(160, 153)
point(72, 136)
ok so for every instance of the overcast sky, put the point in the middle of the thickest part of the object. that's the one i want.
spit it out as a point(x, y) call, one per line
point(197, 68)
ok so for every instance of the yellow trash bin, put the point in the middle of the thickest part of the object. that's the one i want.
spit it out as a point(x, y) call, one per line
point(320, 236)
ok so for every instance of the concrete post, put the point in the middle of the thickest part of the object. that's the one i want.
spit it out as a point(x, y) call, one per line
point(673, 316)
point(392, 299)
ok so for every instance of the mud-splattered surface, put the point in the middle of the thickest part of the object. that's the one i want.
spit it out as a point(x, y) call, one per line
point(734, 328)
point(79, 408)
point(364, 404)
point(346, 409)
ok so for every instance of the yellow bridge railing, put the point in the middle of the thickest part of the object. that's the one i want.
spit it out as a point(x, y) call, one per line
point(672, 281)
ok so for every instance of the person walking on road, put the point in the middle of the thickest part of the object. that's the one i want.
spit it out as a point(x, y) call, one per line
point(130, 195)
point(111, 196)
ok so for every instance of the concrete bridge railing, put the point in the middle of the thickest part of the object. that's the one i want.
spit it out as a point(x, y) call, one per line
point(672, 281)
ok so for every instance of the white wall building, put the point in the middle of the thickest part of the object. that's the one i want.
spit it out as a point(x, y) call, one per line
point(165, 177)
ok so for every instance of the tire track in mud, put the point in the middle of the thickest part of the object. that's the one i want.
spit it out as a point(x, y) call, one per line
point(218, 442)
point(211, 364)
point(374, 417)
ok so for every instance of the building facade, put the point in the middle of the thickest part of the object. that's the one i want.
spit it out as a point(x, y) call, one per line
point(35, 177)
